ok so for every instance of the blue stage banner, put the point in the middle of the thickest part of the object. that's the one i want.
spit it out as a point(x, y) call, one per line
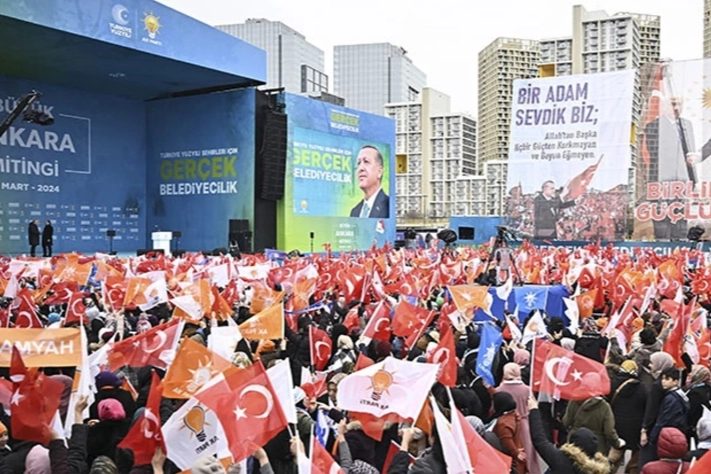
point(340, 178)
point(146, 26)
point(85, 173)
point(201, 166)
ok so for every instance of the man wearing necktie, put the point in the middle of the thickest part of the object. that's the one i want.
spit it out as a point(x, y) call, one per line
point(375, 202)
point(670, 140)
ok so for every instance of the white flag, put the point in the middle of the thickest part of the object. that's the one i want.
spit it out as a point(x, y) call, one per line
point(193, 432)
point(283, 384)
point(391, 386)
point(454, 456)
point(535, 328)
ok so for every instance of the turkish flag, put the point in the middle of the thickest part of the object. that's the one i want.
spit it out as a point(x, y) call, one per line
point(445, 355)
point(362, 362)
point(75, 309)
point(701, 465)
point(247, 407)
point(352, 320)
point(321, 461)
point(148, 348)
point(409, 319)
point(567, 375)
point(34, 403)
point(320, 346)
point(393, 449)
point(194, 365)
point(485, 458)
point(373, 425)
point(61, 293)
point(26, 316)
point(114, 292)
point(674, 344)
point(579, 184)
point(145, 434)
point(378, 327)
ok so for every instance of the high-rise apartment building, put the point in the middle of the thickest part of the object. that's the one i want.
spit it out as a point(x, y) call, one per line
point(500, 63)
point(602, 43)
point(436, 161)
point(368, 76)
point(292, 62)
point(707, 28)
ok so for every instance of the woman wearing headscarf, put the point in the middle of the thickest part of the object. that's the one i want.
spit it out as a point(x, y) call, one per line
point(507, 427)
point(520, 392)
point(108, 431)
point(703, 433)
point(523, 359)
point(590, 343)
point(698, 391)
point(578, 456)
point(628, 399)
point(344, 354)
point(594, 414)
point(659, 361)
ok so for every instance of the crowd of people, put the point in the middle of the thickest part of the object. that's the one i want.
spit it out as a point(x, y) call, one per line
point(596, 215)
point(652, 417)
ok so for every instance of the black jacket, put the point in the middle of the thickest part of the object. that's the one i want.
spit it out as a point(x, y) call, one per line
point(699, 397)
point(33, 234)
point(381, 206)
point(628, 406)
point(673, 412)
point(47, 234)
point(590, 344)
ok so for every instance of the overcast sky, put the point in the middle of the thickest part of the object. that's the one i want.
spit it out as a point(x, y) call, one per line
point(444, 37)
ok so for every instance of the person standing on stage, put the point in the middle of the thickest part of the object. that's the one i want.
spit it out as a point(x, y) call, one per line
point(34, 236)
point(47, 239)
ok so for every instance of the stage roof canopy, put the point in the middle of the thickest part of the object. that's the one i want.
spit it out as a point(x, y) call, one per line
point(136, 49)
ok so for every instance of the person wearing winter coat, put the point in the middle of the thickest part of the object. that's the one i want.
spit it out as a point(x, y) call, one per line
point(674, 410)
point(594, 414)
point(521, 392)
point(508, 429)
point(703, 431)
point(698, 391)
point(659, 362)
point(578, 456)
point(590, 343)
point(671, 448)
point(628, 400)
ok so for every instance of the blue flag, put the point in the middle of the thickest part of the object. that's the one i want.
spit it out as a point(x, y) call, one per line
point(531, 297)
point(491, 340)
point(321, 428)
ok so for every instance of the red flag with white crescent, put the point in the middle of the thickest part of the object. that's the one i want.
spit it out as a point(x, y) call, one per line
point(248, 409)
point(378, 326)
point(446, 356)
point(145, 434)
point(75, 309)
point(320, 346)
point(152, 347)
point(564, 374)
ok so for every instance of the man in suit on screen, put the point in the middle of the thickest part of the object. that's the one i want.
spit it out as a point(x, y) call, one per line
point(375, 202)
point(669, 140)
